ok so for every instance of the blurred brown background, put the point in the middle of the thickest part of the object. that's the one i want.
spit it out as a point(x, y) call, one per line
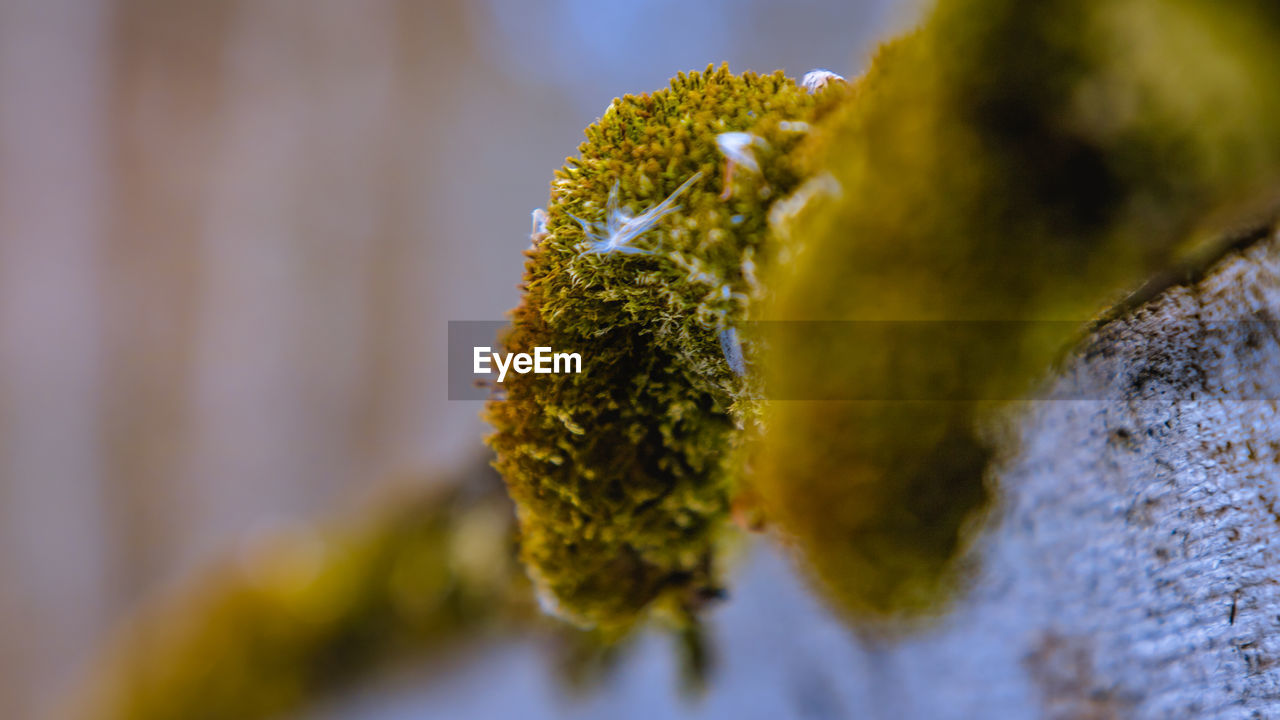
point(231, 236)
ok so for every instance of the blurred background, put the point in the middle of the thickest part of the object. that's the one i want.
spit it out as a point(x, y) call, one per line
point(232, 233)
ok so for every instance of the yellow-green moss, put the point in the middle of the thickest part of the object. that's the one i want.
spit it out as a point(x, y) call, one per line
point(1010, 161)
point(621, 474)
point(293, 619)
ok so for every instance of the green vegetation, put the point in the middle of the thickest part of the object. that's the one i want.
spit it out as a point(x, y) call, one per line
point(1006, 173)
point(313, 609)
point(622, 474)
point(1025, 163)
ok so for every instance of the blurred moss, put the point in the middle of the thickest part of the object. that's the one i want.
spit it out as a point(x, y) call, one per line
point(312, 609)
point(1021, 162)
point(622, 474)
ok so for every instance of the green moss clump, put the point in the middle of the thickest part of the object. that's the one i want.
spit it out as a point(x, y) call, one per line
point(621, 474)
point(1022, 164)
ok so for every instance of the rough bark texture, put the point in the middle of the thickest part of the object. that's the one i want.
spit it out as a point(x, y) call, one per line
point(1133, 570)
point(1129, 570)
point(1131, 567)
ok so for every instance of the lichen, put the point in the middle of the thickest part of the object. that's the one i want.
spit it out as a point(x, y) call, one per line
point(1013, 163)
point(622, 474)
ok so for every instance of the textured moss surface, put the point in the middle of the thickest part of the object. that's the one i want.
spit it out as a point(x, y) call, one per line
point(621, 474)
point(1010, 161)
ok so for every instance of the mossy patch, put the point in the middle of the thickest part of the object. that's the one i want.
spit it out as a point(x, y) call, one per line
point(622, 473)
point(1024, 163)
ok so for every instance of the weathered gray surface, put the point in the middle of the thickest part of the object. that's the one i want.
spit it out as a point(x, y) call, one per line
point(1130, 570)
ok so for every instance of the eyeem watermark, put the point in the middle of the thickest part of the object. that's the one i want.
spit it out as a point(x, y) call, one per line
point(932, 361)
point(479, 364)
point(543, 361)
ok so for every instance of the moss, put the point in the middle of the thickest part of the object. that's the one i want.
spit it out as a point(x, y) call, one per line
point(292, 620)
point(1025, 163)
point(622, 473)
point(314, 609)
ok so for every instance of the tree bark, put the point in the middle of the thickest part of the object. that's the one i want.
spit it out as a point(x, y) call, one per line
point(1132, 568)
